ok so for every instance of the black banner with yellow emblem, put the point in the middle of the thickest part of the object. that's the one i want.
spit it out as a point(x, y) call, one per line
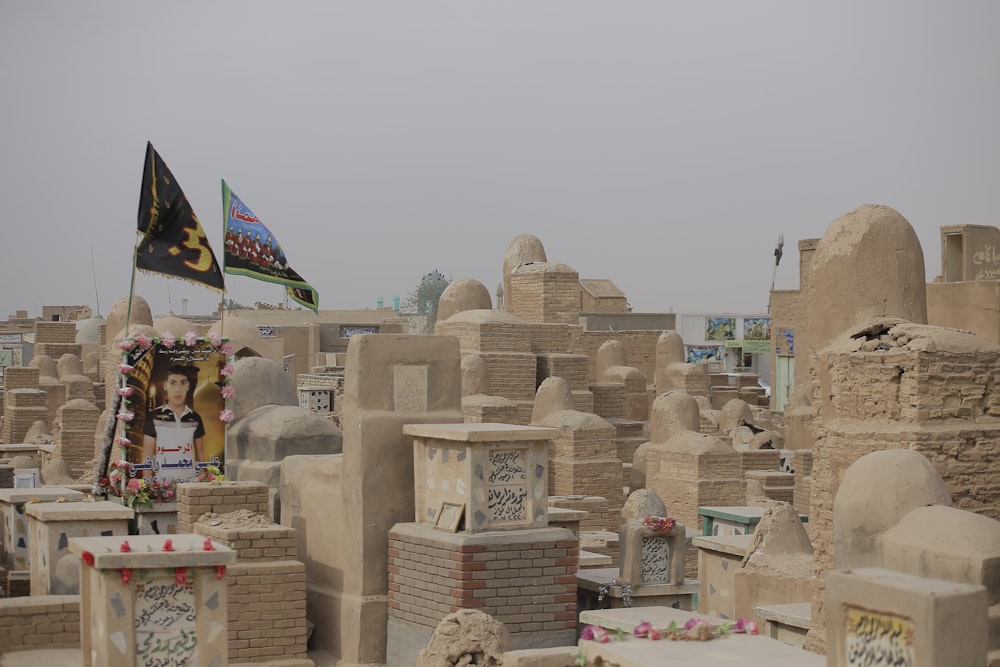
point(173, 241)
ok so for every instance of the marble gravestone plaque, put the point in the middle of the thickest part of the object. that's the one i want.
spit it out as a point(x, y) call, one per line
point(165, 633)
point(655, 559)
point(508, 485)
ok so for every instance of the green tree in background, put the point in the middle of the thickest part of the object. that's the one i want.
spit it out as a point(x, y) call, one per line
point(424, 299)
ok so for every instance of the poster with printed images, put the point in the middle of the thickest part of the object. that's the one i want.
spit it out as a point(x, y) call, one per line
point(175, 406)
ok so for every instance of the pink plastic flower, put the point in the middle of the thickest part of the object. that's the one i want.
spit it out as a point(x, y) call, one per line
point(228, 391)
point(215, 339)
point(655, 634)
point(125, 392)
point(125, 369)
point(220, 571)
point(123, 441)
point(595, 633)
point(227, 415)
point(126, 345)
point(752, 628)
point(180, 575)
point(168, 494)
point(642, 629)
point(144, 341)
point(125, 416)
point(227, 349)
point(691, 623)
point(226, 371)
point(168, 340)
point(190, 338)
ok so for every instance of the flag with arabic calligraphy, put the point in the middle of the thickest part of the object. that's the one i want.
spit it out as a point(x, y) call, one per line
point(173, 242)
point(252, 251)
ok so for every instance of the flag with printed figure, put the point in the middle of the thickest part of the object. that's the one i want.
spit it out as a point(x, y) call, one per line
point(251, 250)
point(173, 242)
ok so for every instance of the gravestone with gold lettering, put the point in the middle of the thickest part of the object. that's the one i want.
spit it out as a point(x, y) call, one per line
point(153, 601)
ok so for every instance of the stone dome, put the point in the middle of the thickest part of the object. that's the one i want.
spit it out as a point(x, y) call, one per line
point(89, 330)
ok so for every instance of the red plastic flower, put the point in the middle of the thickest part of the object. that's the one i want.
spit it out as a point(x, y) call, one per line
point(126, 575)
point(220, 571)
point(87, 558)
point(125, 547)
point(208, 546)
point(168, 545)
point(180, 575)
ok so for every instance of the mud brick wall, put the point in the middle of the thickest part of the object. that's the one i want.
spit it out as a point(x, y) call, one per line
point(197, 498)
point(39, 622)
point(940, 404)
point(23, 407)
point(530, 587)
point(596, 507)
point(687, 481)
point(512, 374)
point(547, 293)
point(486, 336)
point(18, 377)
point(266, 593)
point(574, 368)
point(551, 337)
point(609, 399)
point(640, 348)
point(6, 480)
point(55, 332)
point(760, 459)
point(75, 425)
point(57, 350)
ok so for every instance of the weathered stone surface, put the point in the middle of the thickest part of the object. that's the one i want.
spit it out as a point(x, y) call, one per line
point(464, 638)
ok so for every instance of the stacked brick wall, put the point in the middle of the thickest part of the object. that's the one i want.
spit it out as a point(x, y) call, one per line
point(19, 377)
point(640, 348)
point(574, 368)
point(266, 591)
point(688, 480)
point(550, 337)
point(6, 476)
point(487, 336)
point(609, 399)
point(197, 498)
point(22, 408)
point(55, 332)
point(512, 374)
point(545, 293)
point(39, 622)
point(598, 517)
point(760, 459)
point(584, 462)
point(530, 587)
point(940, 404)
point(74, 428)
point(57, 350)
point(803, 483)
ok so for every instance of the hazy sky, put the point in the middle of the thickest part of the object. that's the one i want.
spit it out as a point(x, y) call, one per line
point(663, 145)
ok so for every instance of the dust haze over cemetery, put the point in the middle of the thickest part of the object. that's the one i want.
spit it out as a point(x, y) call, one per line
point(636, 325)
point(666, 147)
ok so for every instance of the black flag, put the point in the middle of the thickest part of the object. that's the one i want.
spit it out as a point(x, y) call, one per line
point(777, 251)
point(173, 242)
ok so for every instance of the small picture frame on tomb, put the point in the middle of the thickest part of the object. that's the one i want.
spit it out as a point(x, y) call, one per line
point(449, 517)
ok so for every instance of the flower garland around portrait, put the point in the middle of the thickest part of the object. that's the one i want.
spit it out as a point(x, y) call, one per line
point(121, 480)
